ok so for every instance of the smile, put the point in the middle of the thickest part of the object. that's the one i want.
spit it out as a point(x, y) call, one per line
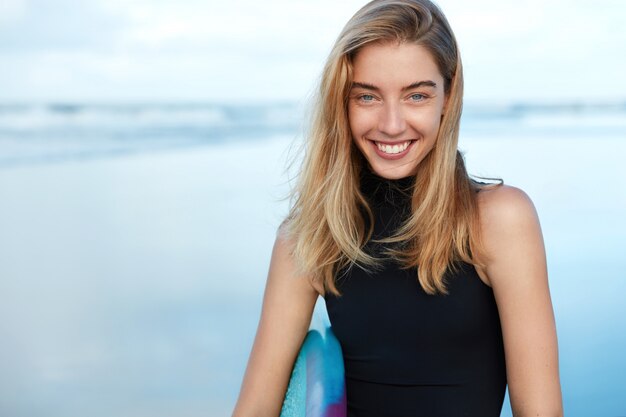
point(392, 151)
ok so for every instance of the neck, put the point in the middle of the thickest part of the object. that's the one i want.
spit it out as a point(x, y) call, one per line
point(379, 189)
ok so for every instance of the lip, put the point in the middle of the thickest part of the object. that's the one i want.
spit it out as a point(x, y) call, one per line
point(394, 156)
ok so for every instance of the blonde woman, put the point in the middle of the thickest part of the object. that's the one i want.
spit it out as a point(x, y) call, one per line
point(435, 284)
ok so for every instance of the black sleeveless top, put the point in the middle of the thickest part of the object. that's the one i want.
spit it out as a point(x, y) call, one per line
point(407, 353)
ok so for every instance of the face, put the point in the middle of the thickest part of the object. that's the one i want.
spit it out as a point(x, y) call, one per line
point(395, 106)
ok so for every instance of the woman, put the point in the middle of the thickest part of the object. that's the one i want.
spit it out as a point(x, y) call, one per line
point(435, 283)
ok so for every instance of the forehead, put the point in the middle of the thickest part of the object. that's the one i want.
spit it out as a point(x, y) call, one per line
point(395, 64)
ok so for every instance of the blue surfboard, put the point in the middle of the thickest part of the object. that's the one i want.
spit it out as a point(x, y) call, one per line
point(317, 385)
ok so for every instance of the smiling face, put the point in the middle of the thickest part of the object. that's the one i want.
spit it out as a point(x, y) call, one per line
point(395, 106)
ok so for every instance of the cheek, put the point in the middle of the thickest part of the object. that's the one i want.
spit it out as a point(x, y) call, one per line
point(356, 122)
point(427, 122)
point(356, 131)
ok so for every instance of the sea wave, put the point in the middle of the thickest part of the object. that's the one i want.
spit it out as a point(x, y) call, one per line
point(51, 132)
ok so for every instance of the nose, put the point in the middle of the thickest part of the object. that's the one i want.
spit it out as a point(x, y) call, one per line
point(391, 121)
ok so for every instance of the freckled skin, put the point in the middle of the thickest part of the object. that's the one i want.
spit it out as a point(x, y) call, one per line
point(393, 113)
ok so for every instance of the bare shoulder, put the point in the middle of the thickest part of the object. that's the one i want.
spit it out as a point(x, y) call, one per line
point(505, 210)
point(508, 223)
point(505, 205)
point(283, 257)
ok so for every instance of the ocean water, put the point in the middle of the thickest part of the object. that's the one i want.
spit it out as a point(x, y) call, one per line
point(135, 242)
point(35, 133)
point(42, 133)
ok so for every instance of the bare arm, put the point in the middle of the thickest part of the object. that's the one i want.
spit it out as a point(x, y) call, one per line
point(516, 268)
point(286, 314)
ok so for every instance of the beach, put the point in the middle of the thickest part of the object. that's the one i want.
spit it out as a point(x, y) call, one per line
point(131, 285)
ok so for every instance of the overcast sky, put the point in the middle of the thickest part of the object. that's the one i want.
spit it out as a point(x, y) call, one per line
point(251, 51)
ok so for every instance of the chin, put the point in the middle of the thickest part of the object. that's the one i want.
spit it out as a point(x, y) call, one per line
point(393, 173)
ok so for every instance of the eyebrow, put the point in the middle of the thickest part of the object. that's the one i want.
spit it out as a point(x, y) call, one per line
point(417, 84)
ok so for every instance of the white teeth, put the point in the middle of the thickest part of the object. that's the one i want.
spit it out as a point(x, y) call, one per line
point(393, 149)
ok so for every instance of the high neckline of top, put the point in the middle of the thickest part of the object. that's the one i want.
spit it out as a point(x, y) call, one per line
point(377, 187)
point(368, 175)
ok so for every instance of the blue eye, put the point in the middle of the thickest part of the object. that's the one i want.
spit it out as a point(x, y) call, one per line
point(417, 97)
point(367, 97)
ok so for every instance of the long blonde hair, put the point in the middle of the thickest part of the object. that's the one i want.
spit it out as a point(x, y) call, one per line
point(326, 223)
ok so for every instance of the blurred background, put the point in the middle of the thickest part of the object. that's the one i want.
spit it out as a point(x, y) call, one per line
point(143, 162)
